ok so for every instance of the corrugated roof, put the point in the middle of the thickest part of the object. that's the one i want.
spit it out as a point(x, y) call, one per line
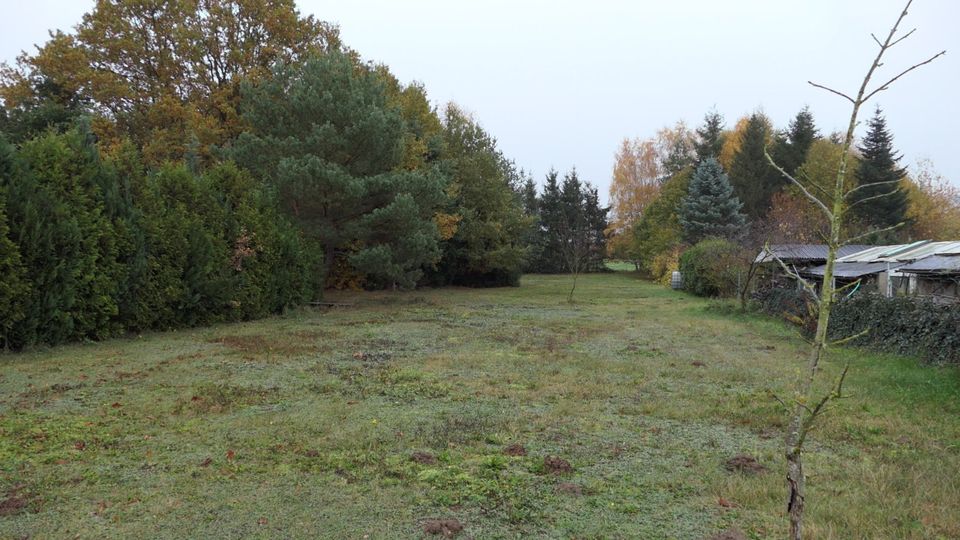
point(934, 264)
point(852, 269)
point(903, 252)
point(804, 252)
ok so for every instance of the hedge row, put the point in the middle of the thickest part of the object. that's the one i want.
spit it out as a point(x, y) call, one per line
point(92, 247)
point(904, 325)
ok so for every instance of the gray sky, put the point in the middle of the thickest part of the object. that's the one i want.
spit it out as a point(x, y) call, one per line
point(560, 83)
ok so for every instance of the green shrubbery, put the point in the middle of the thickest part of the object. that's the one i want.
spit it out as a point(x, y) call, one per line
point(906, 325)
point(710, 268)
point(91, 247)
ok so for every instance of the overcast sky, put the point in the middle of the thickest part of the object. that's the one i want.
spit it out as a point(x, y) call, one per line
point(560, 83)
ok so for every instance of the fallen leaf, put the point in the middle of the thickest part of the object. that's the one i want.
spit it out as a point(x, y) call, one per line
point(230, 454)
point(206, 462)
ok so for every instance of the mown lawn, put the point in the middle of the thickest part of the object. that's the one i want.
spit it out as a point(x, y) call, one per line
point(366, 421)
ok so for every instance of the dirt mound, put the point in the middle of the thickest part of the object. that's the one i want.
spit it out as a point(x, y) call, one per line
point(697, 363)
point(13, 502)
point(447, 527)
point(515, 449)
point(744, 464)
point(423, 458)
point(732, 533)
point(556, 465)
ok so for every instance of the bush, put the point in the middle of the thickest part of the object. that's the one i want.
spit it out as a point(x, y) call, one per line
point(710, 268)
point(905, 325)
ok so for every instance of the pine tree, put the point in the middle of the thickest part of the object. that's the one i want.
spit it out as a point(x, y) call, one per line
point(325, 135)
point(754, 180)
point(710, 208)
point(881, 203)
point(709, 141)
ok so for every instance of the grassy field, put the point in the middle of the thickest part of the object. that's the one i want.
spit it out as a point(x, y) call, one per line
point(369, 420)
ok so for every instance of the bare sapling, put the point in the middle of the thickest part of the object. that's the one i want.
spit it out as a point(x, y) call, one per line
point(835, 202)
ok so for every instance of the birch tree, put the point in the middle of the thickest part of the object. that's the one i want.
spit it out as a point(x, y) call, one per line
point(835, 202)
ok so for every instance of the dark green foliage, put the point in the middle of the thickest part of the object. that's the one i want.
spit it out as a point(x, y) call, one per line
point(68, 246)
point(710, 208)
point(754, 180)
point(569, 213)
point(324, 135)
point(791, 149)
point(904, 325)
point(709, 268)
point(881, 203)
point(14, 287)
point(709, 137)
point(50, 107)
point(488, 248)
point(90, 248)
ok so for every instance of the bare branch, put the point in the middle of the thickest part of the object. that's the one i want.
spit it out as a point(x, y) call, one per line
point(828, 89)
point(871, 198)
point(905, 36)
point(793, 273)
point(847, 286)
point(837, 393)
point(849, 241)
point(887, 84)
point(876, 40)
point(796, 182)
point(864, 186)
point(848, 339)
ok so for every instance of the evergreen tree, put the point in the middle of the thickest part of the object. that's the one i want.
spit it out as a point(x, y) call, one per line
point(596, 218)
point(551, 218)
point(14, 286)
point(754, 180)
point(881, 202)
point(710, 208)
point(791, 151)
point(67, 245)
point(709, 141)
point(322, 131)
point(488, 248)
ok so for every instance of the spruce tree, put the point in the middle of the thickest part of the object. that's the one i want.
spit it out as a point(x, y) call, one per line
point(551, 217)
point(800, 136)
point(881, 202)
point(710, 208)
point(709, 141)
point(754, 180)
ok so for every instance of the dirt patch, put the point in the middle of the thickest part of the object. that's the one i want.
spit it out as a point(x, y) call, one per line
point(14, 502)
point(218, 398)
point(568, 488)
point(732, 533)
point(424, 458)
point(258, 345)
point(697, 363)
point(557, 465)
point(373, 357)
point(446, 527)
point(515, 449)
point(743, 463)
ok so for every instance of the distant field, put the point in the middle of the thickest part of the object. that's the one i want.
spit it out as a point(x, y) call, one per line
point(370, 420)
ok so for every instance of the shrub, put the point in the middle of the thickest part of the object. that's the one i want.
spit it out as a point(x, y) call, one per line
point(710, 268)
point(905, 325)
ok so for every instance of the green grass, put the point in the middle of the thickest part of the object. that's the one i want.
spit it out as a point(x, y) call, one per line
point(304, 425)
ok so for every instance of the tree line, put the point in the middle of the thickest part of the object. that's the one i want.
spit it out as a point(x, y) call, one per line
point(684, 186)
point(181, 163)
